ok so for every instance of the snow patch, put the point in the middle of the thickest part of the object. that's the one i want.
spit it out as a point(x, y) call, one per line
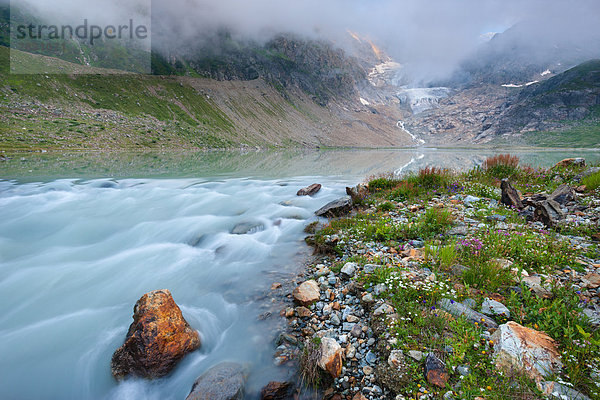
point(546, 72)
point(364, 102)
point(512, 85)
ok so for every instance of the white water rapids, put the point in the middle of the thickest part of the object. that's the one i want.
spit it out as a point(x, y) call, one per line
point(76, 255)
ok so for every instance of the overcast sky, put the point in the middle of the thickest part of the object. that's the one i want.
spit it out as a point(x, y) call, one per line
point(433, 34)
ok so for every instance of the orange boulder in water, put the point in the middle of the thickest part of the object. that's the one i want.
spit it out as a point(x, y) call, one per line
point(157, 339)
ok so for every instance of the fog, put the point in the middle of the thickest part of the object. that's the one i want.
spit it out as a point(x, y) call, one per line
point(430, 37)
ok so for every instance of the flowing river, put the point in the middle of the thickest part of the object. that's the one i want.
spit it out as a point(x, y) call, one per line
point(83, 236)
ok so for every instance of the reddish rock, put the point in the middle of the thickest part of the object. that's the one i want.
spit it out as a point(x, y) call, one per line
point(303, 312)
point(307, 293)
point(359, 396)
point(435, 371)
point(568, 162)
point(309, 190)
point(157, 339)
point(591, 281)
point(521, 349)
point(331, 357)
point(275, 391)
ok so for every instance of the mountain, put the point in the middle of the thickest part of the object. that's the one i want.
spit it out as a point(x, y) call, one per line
point(564, 102)
point(525, 51)
point(73, 106)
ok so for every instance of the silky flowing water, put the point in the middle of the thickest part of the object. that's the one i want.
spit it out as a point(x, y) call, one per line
point(83, 236)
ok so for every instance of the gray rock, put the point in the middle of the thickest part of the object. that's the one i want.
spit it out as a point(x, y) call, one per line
point(224, 381)
point(368, 298)
point(563, 194)
point(593, 316)
point(247, 228)
point(349, 269)
point(460, 230)
point(335, 320)
point(496, 217)
point(471, 199)
point(463, 370)
point(383, 309)
point(355, 330)
point(548, 212)
point(380, 288)
point(370, 268)
point(415, 355)
point(510, 196)
point(555, 390)
point(458, 309)
point(492, 307)
point(309, 190)
point(469, 303)
point(371, 358)
point(347, 326)
point(335, 208)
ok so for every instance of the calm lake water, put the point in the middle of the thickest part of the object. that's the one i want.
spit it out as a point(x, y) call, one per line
point(83, 236)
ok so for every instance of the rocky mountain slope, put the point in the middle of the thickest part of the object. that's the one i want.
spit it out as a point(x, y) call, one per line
point(571, 96)
point(102, 109)
point(566, 104)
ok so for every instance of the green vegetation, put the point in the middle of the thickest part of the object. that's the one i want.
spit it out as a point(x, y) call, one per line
point(592, 182)
point(487, 262)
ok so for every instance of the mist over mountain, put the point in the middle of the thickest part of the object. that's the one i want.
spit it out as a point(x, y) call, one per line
point(429, 38)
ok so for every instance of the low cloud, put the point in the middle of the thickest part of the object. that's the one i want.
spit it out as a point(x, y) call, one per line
point(430, 37)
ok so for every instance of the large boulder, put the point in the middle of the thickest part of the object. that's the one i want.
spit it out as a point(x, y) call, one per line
point(460, 310)
point(510, 196)
point(224, 381)
point(521, 349)
point(548, 212)
point(309, 190)
point(492, 307)
point(358, 193)
point(331, 356)
point(563, 194)
point(157, 339)
point(570, 162)
point(335, 208)
point(307, 293)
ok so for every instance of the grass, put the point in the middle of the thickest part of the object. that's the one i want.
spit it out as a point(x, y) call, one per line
point(310, 373)
point(592, 182)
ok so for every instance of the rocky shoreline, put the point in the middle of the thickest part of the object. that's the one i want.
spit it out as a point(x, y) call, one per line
point(346, 317)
